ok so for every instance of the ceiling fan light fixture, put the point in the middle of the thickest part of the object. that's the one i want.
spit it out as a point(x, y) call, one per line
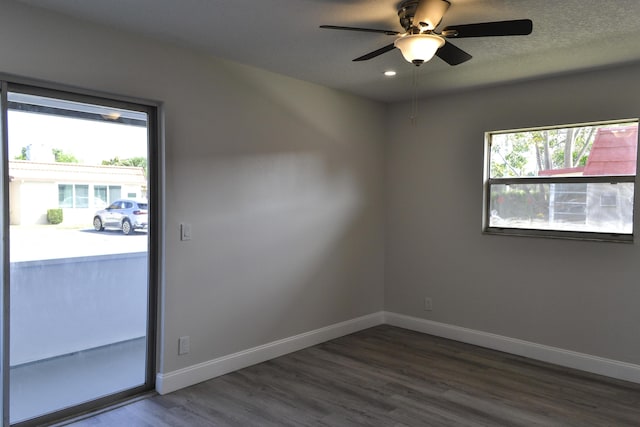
point(419, 48)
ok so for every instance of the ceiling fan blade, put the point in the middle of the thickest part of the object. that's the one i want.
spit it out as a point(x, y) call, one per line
point(375, 53)
point(452, 55)
point(366, 30)
point(518, 27)
point(429, 13)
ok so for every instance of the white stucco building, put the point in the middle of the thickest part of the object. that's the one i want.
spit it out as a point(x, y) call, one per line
point(78, 189)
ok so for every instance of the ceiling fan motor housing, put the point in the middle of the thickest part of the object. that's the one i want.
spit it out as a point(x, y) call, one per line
point(419, 15)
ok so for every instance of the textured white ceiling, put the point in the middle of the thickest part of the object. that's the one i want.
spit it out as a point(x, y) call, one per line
point(283, 36)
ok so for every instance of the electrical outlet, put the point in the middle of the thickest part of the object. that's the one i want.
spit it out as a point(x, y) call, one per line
point(184, 345)
point(428, 304)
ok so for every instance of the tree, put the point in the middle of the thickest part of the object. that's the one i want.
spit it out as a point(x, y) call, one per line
point(23, 154)
point(572, 147)
point(62, 157)
point(509, 157)
point(527, 153)
point(562, 148)
point(140, 162)
point(58, 155)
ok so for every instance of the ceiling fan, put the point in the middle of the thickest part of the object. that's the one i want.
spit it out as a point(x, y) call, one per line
point(421, 41)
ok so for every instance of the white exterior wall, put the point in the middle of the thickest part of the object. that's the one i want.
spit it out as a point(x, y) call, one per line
point(35, 199)
point(15, 209)
point(29, 202)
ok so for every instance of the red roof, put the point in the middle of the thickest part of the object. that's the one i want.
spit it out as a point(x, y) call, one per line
point(614, 152)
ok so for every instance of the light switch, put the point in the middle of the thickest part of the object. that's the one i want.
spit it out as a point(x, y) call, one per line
point(185, 232)
point(184, 347)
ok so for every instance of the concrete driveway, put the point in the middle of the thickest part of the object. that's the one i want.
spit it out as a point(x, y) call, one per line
point(37, 242)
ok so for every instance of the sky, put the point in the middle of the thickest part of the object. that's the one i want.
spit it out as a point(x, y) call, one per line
point(89, 141)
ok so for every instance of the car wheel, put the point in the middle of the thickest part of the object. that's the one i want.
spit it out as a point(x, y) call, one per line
point(126, 227)
point(97, 224)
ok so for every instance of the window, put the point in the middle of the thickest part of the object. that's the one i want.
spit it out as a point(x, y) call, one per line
point(77, 195)
point(575, 181)
point(103, 195)
point(82, 196)
point(65, 195)
point(73, 196)
point(100, 196)
point(114, 192)
point(609, 199)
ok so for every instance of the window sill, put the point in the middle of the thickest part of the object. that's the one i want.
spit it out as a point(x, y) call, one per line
point(554, 234)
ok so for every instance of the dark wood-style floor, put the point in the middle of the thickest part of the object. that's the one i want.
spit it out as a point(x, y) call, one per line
point(387, 376)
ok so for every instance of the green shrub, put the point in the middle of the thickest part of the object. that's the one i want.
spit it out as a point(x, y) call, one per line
point(54, 216)
point(516, 203)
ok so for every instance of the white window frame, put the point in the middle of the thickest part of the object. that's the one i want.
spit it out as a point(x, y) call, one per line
point(552, 233)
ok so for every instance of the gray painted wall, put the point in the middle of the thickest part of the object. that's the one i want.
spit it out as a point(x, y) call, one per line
point(575, 295)
point(284, 185)
point(280, 179)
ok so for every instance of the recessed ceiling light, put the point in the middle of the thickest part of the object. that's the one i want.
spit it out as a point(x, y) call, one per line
point(390, 73)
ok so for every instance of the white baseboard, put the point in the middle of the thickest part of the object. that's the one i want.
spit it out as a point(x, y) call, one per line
point(171, 381)
point(557, 356)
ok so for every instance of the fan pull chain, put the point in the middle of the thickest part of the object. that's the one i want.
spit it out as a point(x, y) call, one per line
point(414, 98)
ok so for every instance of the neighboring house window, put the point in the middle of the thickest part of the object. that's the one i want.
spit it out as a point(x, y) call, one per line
point(65, 195)
point(575, 181)
point(609, 199)
point(82, 196)
point(73, 195)
point(115, 192)
point(103, 194)
point(100, 198)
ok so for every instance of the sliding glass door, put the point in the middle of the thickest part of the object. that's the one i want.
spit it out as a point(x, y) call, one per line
point(79, 178)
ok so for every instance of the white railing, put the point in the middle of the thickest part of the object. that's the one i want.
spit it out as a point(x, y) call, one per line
point(62, 306)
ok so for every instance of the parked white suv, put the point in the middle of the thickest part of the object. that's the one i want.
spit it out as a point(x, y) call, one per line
point(126, 215)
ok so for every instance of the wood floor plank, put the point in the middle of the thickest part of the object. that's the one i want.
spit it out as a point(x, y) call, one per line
point(387, 376)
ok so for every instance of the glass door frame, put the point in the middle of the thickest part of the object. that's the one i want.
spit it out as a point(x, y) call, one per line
point(155, 162)
point(4, 253)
